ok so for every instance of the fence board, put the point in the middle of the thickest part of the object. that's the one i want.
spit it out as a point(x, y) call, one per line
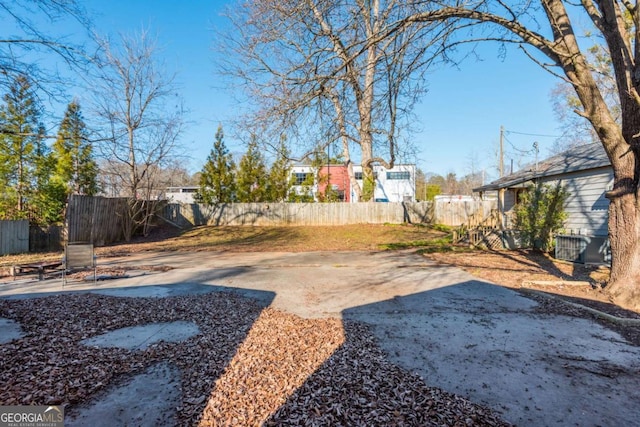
point(95, 219)
point(445, 213)
point(14, 237)
point(46, 239)
point(456, 212)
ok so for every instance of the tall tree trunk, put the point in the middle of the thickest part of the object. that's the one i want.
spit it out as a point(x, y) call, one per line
point(624, 237)
point(19, 186)
point(368, 177)
point(619, 141)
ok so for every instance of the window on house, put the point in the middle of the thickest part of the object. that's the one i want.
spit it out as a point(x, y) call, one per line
point(358, 175)
point(399, 175)
point(518, 194)
point(301, 177)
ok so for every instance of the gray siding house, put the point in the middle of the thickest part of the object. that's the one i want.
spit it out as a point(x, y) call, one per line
point(586, 174)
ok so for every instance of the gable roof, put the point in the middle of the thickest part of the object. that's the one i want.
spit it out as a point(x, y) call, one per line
point(583, 157)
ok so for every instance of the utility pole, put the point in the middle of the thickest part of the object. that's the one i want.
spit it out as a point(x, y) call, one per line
point(501, 160)
point(501, 191)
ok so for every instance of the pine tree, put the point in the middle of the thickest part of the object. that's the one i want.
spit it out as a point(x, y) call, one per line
point(252, 175)
point(46, 203)
point(20, 149)
point(279, 182)
point(75, 168)
point(217, 183)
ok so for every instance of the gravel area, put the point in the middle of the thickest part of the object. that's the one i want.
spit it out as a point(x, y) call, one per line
point(248, 366)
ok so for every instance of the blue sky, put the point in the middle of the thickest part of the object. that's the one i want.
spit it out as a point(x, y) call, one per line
point(460, 116)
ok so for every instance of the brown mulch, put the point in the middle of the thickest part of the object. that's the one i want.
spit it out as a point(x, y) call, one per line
point(248, 366)
point(563, 287)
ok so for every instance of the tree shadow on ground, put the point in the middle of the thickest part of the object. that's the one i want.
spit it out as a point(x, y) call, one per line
point(625, 322)
point(538, 262)
point(208, 238)
point(358, 385)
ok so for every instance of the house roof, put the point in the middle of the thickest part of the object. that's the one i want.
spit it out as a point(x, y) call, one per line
point(583, 157)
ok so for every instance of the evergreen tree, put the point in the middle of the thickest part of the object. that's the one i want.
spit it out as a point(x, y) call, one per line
point(252, 175)
point(540, 214)
point(46, 203)
point(20, 149)
point(217, 183)
point(75, 168)
point(279, 181)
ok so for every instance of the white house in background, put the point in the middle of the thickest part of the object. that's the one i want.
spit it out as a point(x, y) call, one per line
point(300, 176)
point(392, 185)
point(397, 184)
point(181, 194)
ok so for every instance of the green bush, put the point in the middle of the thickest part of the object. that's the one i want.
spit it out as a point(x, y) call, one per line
point(540, 214)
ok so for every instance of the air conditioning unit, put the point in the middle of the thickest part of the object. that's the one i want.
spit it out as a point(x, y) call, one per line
point(583, 249)
point(571, 247)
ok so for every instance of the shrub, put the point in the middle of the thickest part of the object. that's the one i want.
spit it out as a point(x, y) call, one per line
point(540, 214)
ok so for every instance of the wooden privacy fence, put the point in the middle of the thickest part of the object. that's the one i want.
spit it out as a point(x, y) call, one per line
point(456, 212)
point(95, 219)
point(14, 237)
point(445, 213)
point(18, 237)
point(99, 219)
point(297, 213)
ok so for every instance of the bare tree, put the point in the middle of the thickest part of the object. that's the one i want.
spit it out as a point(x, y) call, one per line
point(308, 67)
point(31, 32)
point(576, 129)
point(555, 48)
point(143, 117)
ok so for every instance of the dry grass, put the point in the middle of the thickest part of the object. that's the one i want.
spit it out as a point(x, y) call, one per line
point(361, 237)
point(512, 268)
point(287, 239)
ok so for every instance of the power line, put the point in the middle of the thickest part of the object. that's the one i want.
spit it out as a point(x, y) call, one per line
point(533, 134)
point(518, 149)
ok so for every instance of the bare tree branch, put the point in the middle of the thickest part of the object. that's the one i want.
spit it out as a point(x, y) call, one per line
point(25, 42)
point(137, 103)
point(309, 68)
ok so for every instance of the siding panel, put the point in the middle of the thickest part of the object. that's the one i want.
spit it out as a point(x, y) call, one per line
point(586, 206)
